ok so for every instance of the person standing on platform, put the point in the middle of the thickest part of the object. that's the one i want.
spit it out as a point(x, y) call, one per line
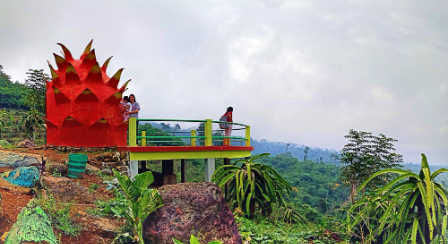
point(228, 127)
point(135, 108)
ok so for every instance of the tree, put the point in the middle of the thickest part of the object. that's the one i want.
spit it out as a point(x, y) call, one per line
point(5, 118)
point(414, 206)
point(201, 132)
point(364, 155)
point(36, 85)
point(252, 184)
point(306, 153)
point(32, 121)
point(176, 128)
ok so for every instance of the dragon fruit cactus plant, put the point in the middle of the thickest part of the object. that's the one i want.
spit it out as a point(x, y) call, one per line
point(82, 103)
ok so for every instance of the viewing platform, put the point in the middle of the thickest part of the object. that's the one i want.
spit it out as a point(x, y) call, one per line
point(203, 143)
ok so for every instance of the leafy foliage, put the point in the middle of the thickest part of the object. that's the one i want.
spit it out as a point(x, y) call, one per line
point(263, 230)
point(364, 155)
point(141, 200)
point(410, 207)
point(252, 184)
point(291, 216)
point(36, 85)
point(194, 240)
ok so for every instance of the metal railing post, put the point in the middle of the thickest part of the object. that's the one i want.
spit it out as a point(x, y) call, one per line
point(248, 136)
point(143, 139)
point(193, 140)
point(132, 132)
point(208, 133)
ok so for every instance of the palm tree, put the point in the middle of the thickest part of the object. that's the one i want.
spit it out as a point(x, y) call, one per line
point(252, 184)
point(32, 122)
point(416, 205)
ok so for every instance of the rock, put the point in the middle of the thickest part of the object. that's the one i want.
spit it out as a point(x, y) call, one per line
point(92, 168)
point(26, 143)
point(58, 168)
point(122, 163)
point(32, 226)
point(189, 209)
point(99, 158)
point(22, 176)
point(14, 188)
point(1, 204)
point(110, 165)
point(107, 171)
point(123, 155)
point(65, 190)
point(115, 158)
point(10, 161)
point(1, 147)
point(122, 169)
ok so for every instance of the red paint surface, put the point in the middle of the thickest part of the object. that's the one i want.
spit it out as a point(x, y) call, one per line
point(183, 148)
point(83, 103)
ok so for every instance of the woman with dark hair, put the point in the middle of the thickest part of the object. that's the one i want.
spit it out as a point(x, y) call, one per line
point(228, 127)
point(135, 107)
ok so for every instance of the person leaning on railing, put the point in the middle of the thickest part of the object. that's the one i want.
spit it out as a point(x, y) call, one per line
point(135, 107)
point(228, 129)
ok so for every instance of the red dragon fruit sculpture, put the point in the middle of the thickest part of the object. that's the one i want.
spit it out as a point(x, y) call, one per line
point(82, 103)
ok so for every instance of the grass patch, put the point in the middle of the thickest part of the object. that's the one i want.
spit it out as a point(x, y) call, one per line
point(59, 214)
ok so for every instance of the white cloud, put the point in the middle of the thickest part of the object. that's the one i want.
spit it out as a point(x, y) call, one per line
point(299, 71)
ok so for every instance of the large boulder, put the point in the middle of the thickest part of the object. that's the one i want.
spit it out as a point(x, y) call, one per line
point(22, 176)
point(191, 209)
point(58, 169)
point(10, 161)
point(26, 143)
point(65, 190)
point(32, 226)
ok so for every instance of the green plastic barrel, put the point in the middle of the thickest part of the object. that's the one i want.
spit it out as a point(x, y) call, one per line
point(76, 165)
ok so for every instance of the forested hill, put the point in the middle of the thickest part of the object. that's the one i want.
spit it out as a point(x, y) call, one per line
point(301, 152)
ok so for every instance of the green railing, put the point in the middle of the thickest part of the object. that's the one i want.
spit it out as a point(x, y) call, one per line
point(206, 140)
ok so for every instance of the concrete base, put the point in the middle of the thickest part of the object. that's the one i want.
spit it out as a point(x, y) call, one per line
point(209, 169)
point(133, 169)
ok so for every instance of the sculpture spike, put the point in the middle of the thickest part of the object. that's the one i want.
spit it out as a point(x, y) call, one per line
point(60, 62)
point(87, 50)
point(113, 82)
point(54, 76)
point(67, 53)
point(94, 75)
point(90, 59)
point(104, 67)
point(125, 85)
point(71, 77)
point(47, 84)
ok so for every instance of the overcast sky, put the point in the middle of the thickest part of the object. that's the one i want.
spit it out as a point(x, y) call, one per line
point(297, 71)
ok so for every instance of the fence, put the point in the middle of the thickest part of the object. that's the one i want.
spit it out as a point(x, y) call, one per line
point(203, 136)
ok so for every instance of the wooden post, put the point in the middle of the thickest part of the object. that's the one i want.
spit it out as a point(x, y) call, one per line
point(142, 168)
point(143, 139)
point(132, 132)
point(208, 133)
point(193, 140)
point(248, 136)
point(167, 167)
point(183, 170)
point(168, 172)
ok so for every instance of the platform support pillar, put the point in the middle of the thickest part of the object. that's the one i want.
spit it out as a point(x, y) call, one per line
point(209, 169)
point(183, 170)
point(133, 168)
point(168, 172)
